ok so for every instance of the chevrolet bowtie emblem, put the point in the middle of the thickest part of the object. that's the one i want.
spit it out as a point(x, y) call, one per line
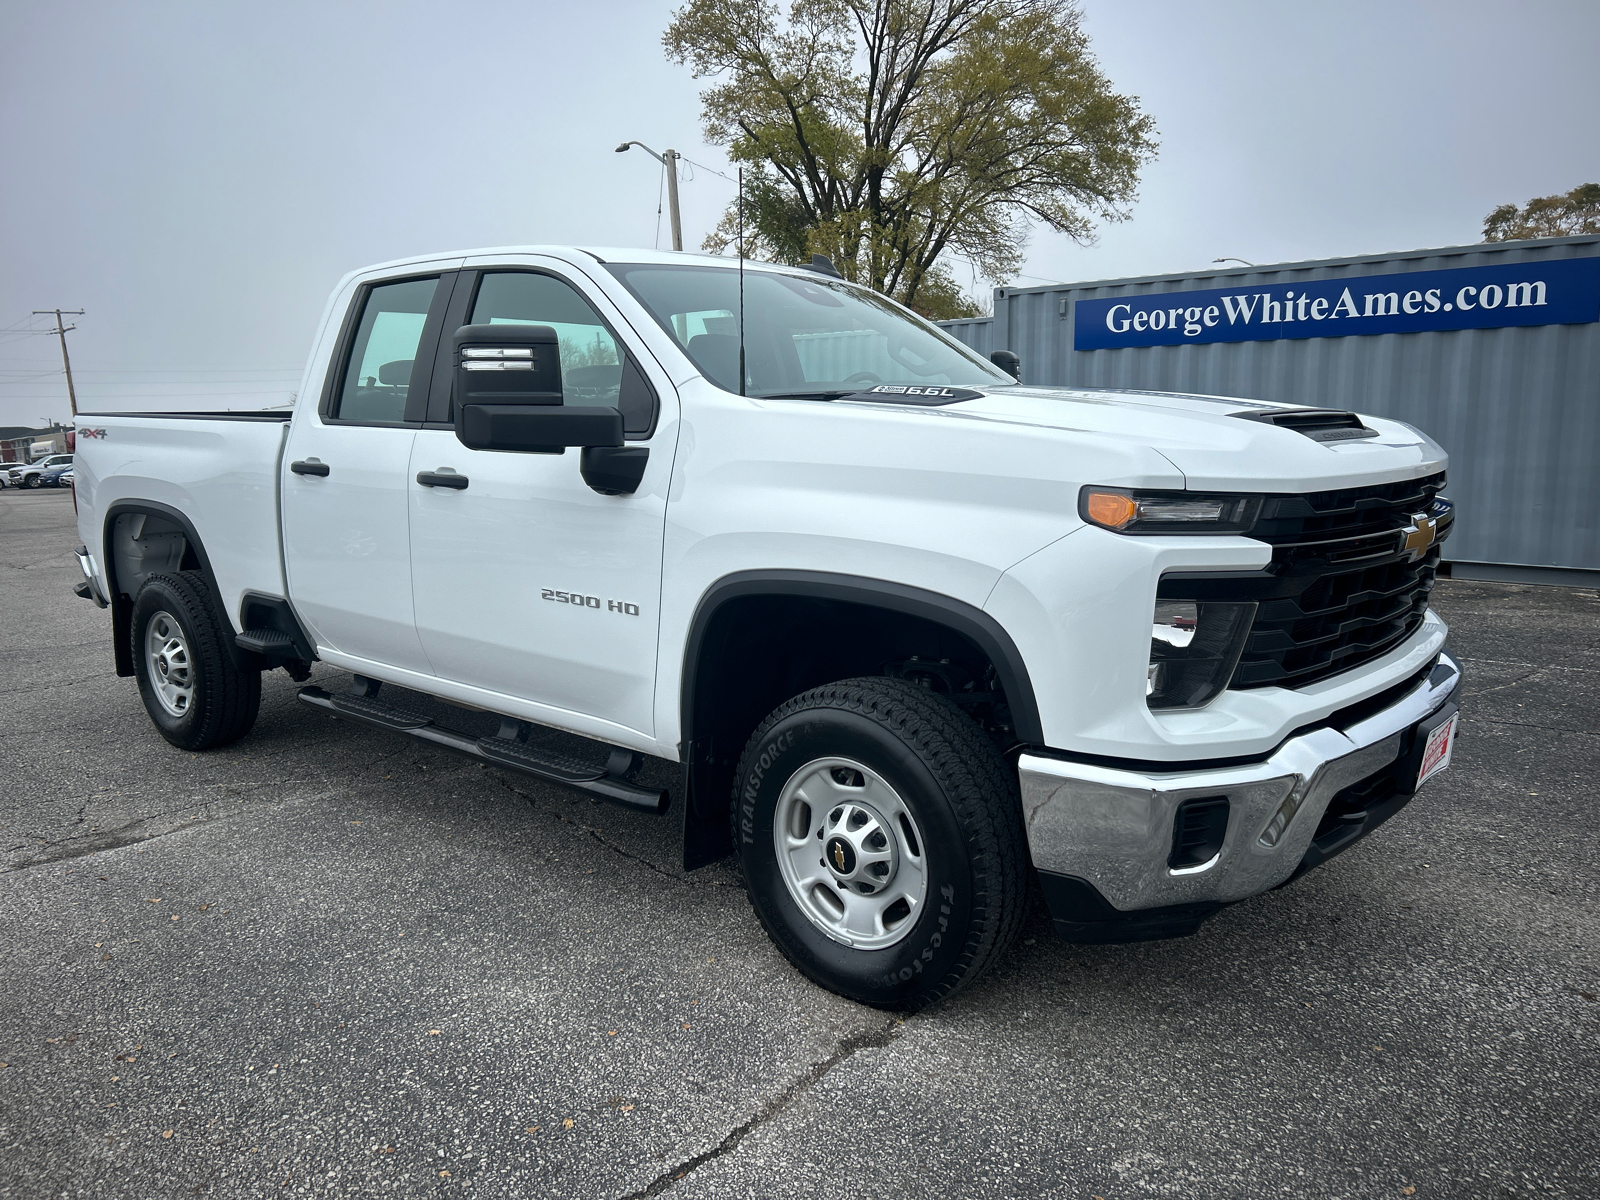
point(838, 855)
point(1418, 536)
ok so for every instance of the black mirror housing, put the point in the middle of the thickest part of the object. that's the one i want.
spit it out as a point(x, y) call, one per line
point(507, 364)
point(612, 471)
point(536, 428)
point(508, 394)
point(1008, 362)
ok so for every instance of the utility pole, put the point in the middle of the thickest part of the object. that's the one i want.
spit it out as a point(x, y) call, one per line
point(669, 160)
point(61, 332)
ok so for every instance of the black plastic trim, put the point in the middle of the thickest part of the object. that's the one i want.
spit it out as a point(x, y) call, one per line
point(614, 470)
point(260, 611)
point(1318, 424)
point(191, 416)
point(439, 413)
point(1081, 914)
point(417, 399)
point(972, 623)
point(444, 479)
point(122, 610)
point(604, 787)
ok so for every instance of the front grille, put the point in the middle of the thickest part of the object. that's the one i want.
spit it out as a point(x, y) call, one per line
point(1341, 589)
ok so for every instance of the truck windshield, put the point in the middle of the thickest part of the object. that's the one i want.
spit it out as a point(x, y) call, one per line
point(809, 337)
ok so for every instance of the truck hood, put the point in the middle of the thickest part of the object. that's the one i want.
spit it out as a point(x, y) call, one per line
point(1202, 437)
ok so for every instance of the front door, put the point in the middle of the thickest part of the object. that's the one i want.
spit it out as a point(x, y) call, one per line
point(345, 526)
point(527, 582)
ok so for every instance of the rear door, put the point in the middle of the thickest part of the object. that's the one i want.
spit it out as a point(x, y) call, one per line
point(347, 544)
point(527, 582)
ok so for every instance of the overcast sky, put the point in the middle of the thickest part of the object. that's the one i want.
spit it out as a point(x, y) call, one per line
point(197, 176)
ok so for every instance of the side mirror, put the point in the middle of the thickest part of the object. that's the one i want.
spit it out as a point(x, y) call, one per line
point(508, 394)
point(1008, 362)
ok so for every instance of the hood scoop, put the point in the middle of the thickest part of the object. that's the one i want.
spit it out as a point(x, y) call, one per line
point(1318, 424)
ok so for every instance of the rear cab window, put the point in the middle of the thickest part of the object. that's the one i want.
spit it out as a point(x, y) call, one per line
point(376, 381)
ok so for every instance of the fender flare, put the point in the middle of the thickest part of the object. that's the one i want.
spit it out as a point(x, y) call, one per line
point(968, 620)
point(122, 610)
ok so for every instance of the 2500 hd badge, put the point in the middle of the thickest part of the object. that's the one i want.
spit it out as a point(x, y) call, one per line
point(582, 601)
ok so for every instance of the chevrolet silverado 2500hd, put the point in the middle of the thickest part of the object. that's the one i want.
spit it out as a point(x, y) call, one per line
point(914, 631)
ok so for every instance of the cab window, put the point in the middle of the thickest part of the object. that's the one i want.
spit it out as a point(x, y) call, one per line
point(377, 377)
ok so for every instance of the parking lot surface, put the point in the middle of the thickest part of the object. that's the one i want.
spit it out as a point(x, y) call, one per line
point(328, 961)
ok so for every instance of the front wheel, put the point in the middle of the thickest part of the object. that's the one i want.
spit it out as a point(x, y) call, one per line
point(194, 692)
point(879, 833)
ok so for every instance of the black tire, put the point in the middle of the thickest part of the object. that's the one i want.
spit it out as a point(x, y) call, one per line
point(30, 481)
point(965, 805)
point(223, 700)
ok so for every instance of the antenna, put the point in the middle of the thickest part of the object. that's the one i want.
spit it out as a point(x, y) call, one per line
point(741, 281)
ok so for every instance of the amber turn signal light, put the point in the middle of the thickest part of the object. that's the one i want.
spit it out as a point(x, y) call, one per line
point(1111, 509)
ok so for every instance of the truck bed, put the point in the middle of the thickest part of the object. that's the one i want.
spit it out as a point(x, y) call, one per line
point(219, 471)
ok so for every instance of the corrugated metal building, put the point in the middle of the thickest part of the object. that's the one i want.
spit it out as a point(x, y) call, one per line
point(1514, 397)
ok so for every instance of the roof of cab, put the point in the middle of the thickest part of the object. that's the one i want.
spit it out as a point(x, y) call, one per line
point(603, 254)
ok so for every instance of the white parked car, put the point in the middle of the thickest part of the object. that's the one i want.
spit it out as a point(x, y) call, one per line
point(28, 475)
point(913, 631)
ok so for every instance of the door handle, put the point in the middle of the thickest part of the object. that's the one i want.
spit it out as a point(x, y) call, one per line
point(444, 479)
point(311, 467)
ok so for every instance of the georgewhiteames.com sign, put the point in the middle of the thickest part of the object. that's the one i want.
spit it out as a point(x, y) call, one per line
point(1552, 292)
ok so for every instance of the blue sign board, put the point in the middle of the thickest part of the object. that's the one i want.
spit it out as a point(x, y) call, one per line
point(1562, 291)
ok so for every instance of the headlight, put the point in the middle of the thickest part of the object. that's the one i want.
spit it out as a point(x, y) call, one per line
point(1194, 647)
point(1123, 511)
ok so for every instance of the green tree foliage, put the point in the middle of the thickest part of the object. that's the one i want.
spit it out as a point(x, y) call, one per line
point(893, 134)
point(1575, 213)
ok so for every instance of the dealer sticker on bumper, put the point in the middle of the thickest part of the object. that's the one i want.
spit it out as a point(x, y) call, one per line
point(1436, 754)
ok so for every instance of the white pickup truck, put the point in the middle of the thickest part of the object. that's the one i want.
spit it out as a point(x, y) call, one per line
point(914, 631)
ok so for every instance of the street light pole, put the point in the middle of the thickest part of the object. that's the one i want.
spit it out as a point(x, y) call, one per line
point(669, 160)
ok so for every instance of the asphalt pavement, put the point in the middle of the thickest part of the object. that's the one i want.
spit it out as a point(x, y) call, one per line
point(328, 961)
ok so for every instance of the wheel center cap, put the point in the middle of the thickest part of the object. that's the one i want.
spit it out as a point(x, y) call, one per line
point(841, 857)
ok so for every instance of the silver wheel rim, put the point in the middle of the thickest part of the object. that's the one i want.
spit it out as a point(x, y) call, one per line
point(850, 852)
point(166, 660)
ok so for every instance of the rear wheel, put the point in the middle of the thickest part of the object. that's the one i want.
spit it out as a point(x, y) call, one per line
point(193, 691)
point(879, 833)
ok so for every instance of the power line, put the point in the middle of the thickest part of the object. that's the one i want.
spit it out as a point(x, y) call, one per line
point(713, 170)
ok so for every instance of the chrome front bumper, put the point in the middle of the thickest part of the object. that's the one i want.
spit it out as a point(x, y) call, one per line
point(1113, 828)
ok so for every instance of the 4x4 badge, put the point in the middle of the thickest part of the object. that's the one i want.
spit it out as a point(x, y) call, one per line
point(1417, 537)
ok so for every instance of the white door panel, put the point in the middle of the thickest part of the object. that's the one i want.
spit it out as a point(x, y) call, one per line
point(347, 540)
point(491, 561)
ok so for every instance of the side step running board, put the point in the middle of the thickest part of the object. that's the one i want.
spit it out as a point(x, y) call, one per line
point(266, 641)
point(510, 748)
